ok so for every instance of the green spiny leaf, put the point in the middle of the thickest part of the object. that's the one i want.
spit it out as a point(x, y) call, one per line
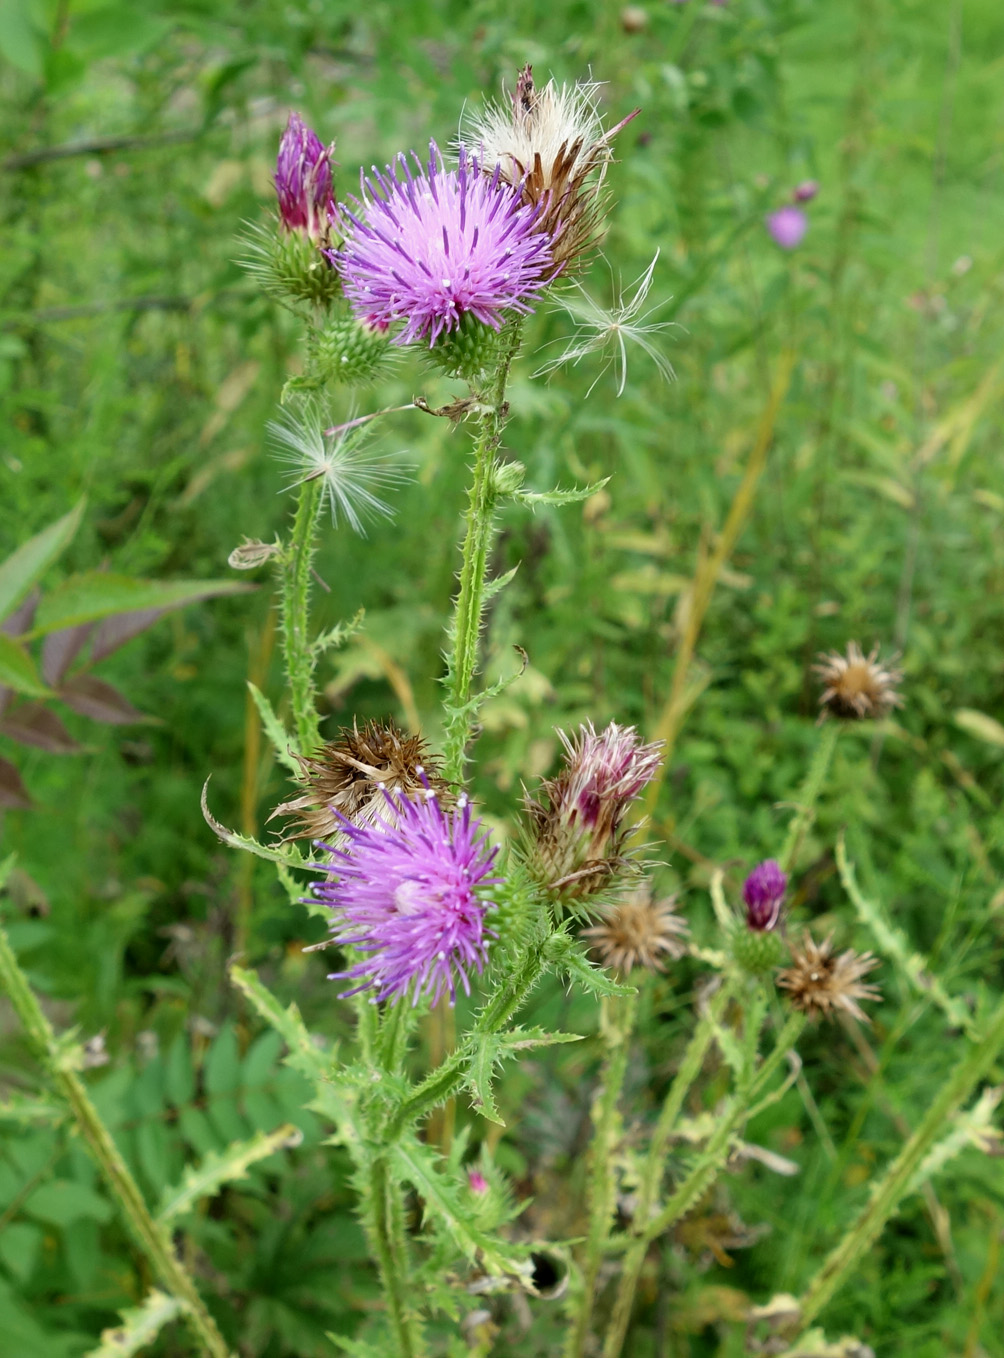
point(140, 1326)
point(217, 1169)
point(565, 956)
point(559, 497)
point(289, 856)
point(282, 741)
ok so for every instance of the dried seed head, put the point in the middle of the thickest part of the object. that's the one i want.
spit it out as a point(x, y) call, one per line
point(346, 776)
point(639, 932)
point(820, 983)
point(577, 824)
point(551, 144)
point(858, 686)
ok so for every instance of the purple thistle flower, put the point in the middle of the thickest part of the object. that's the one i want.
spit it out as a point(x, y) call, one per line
point(787, 226)
point(763, 892)
point(477, 1181)
point(405, 891)
point(439, 245)
point(608, 770)
point(303, 180)
point(806, 191)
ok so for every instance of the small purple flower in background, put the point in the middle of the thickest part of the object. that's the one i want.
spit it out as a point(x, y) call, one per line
point(303, 180)
point(787, 226)
point(405, 892)
point(806, 191)
point(477, 1181)
point(439, 245)
point(763, 892)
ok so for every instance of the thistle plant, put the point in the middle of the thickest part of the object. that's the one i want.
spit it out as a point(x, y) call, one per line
point(381, 836)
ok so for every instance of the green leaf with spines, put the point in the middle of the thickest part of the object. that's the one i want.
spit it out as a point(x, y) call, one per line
point(566, 958)
point(27, 1108)
point(219, 1168)
point(558, 496)
point(489, 1050)
point(444, 1199)
point(281, 740)
point(139, 1326)
point(288, 855)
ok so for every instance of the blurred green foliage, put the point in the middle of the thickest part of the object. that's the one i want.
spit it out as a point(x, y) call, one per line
point(138, 367)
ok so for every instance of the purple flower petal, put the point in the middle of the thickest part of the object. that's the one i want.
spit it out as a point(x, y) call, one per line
point(787, 226)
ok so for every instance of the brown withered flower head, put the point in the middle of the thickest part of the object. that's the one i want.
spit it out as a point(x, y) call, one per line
point(858, 685)
point(577, 831)
point(820, 982)
point(550, 142)
point(639, 932)
point(348, 774)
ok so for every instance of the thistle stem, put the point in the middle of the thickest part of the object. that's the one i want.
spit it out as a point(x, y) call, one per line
point(898, 1178)
point(152, 1238)
point(294, 613)
point(387, 1230)
point(468, 611)
point(707, 1168)
point(809, 794)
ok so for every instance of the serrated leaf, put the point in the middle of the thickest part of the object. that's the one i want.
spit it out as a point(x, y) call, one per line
point(336, 1099)
point(558, 496)
point(139, 1326)
point(489, 1050)
point(493, 587)
point(24, 566)
point(419, 1164)
point(100, 594)
point(219, 1168)
point(288, 856)
point(17, 669)
point(24, 1108)
point(567, 958)
point(280, 738)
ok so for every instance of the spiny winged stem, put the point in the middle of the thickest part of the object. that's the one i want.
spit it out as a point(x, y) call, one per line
point(704, 1171)
point(465, 628)
point(387, 1231)
point(294, 609)
point(152, 1238)
point(809, 794)
point(890, 1190)
point(617, 1018)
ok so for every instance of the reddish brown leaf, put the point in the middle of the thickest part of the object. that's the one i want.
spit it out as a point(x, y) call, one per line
point(23, 616)
point(116, 631)
point(34, 724)
point(13, 793)
point(95, 699)
point(60, 649)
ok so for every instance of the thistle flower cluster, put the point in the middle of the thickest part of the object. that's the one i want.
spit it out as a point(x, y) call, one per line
point(754, 943)
point(578, 836)
point(407, 890)
point(427, 246)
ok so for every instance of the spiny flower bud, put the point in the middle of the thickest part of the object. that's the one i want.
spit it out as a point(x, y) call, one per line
point(639, 932)
point(858, 686)
point(347, 350)
point(252, 553)
point(303, 183)
point(755, 952)
point(818, 983)
point(578, 835)
point(470, 350)
point(344, 781)
point(763, 892)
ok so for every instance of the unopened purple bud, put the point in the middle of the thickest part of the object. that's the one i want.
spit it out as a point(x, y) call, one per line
point(787, 226)
point(763, 892)
point(806, 191)
point(303, 180)
point(478, 1183)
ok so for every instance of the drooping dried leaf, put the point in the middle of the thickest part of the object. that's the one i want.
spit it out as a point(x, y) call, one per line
point(35, 724)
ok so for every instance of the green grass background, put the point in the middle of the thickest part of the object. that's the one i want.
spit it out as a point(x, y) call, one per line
point(138, 367)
